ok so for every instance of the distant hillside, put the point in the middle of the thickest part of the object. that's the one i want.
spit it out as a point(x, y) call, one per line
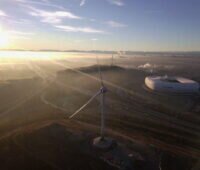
point(93, 69)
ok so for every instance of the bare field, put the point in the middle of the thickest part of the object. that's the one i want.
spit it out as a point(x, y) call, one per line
point(158, 124)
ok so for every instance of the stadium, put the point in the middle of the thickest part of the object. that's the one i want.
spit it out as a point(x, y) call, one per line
point(171, 84)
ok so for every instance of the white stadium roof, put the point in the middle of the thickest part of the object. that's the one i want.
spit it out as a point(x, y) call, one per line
point(172, 84)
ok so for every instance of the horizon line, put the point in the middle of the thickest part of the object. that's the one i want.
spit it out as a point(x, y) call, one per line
point(101, 51)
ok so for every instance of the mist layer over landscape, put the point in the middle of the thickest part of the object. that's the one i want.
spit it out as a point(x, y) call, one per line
point(17, 64)
point(40, 90)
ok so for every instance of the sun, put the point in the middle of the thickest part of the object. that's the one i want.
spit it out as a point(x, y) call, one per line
point(4, 38)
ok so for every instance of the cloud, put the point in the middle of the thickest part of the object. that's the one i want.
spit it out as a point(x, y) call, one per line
point(2, 13)
point(40, 3)
point(24, 1)
point(45, 0)
point(20, 21)
point(116, 24)
point(20, 33)
point(92, 20)
point(21, 37)
point(68, 28)
point(117, 2)
point(14, 34)
point(78, 41)
point(53, 17)
point(94, 39)
point(82, 2)
point(148, 66)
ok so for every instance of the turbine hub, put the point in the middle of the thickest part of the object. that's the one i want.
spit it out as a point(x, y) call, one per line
point(103, 90)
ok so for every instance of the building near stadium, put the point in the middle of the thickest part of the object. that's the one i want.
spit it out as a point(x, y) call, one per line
point(172, 84)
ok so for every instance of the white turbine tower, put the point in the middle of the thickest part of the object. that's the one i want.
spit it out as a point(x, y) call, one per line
point(101, 142)
point(112, 60)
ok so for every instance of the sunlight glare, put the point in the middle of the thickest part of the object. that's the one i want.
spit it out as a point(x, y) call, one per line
point(4, 40)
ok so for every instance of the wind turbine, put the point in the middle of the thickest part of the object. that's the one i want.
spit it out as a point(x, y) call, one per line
point(101, 142)
point(112, 60)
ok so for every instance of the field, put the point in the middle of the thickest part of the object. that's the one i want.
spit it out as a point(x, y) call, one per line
point(159, 129)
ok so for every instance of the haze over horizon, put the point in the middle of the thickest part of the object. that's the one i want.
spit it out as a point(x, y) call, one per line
point(111, 25)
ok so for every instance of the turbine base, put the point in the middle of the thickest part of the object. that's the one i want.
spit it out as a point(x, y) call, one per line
point(103, 143)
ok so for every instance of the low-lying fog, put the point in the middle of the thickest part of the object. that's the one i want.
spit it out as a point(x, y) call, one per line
point(21, 64)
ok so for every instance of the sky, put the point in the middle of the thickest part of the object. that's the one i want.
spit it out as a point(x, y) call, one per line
point(135, 25)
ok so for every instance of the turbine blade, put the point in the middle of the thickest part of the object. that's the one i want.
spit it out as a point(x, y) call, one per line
point(88, 102)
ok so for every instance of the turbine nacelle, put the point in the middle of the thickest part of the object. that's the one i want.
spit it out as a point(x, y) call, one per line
point(103, 90)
